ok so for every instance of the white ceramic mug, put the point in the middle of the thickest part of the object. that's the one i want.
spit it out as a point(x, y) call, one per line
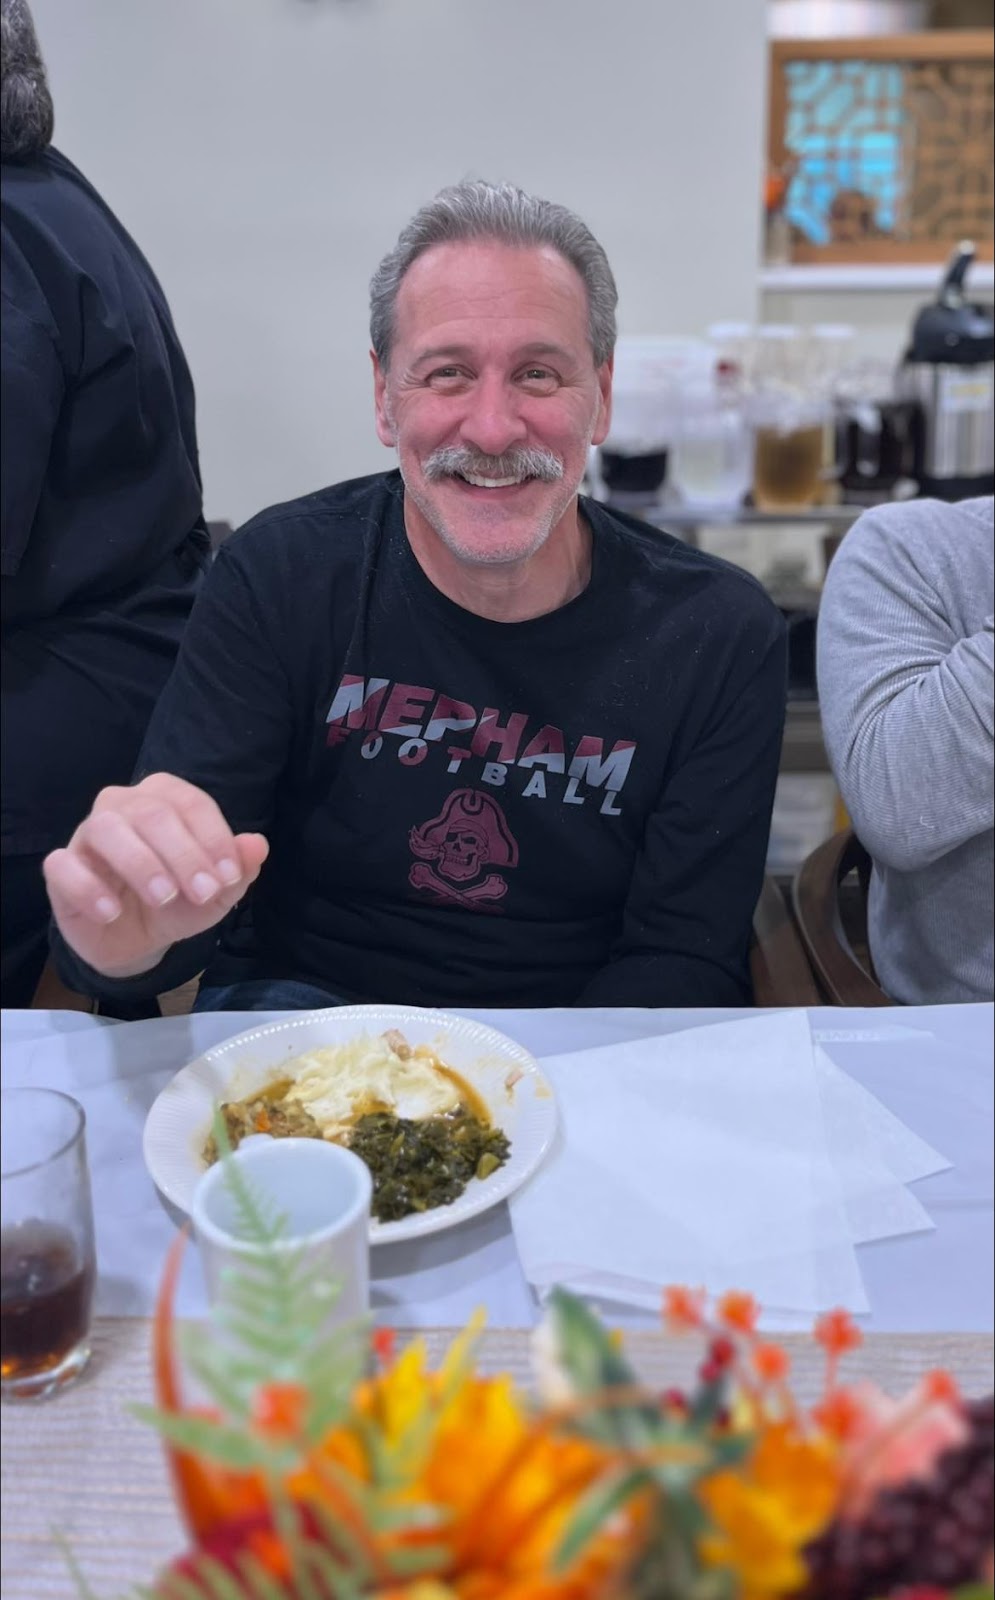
point(321, 1190)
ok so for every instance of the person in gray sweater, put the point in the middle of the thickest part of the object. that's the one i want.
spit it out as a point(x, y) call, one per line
point(906, 674)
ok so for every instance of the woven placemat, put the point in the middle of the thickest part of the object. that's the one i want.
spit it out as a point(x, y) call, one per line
point(82, 1468)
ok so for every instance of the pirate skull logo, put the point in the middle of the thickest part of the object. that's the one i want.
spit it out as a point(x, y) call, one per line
point(469, 835)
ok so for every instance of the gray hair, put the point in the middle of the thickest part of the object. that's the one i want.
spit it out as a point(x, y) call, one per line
point(27, 118)
point(475, 210)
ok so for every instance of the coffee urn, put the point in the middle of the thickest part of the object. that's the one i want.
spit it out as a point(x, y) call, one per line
point(949, 368)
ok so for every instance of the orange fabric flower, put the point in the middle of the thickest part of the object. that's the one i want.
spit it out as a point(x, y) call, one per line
point(770, 1363)
point(384, 1343)
point(840, 1415)
point(837, 1332)
point(683, 1309)
point(738, 1311)
point(941, 1387)
point(280, 1410)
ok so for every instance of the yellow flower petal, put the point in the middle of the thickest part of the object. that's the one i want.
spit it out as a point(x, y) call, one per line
point(765, 1511)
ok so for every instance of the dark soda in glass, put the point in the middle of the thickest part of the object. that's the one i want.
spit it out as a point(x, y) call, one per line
point(46, 1290)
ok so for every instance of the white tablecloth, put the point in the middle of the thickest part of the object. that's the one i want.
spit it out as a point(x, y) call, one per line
point(932, 1066)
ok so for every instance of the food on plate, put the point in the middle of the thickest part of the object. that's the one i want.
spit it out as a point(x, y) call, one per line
point(417, 1165)
point(270, 1112)
point(421, 1129)
point(343, 1082)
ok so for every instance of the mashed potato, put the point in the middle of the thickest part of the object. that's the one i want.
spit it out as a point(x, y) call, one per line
point(342, 1082)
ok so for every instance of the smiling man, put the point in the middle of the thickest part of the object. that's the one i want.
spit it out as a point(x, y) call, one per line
point(488, 383)
point(468, 738)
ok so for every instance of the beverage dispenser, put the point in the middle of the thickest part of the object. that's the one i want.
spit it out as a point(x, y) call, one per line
point(949, 367)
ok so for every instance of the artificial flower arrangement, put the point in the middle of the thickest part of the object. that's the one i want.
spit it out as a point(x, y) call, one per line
point(329, 1466)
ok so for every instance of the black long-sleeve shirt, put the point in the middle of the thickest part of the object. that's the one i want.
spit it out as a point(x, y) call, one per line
point(571, 809)
point(102, 541)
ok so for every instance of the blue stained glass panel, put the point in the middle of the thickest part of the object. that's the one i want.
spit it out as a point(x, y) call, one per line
point(845, 127)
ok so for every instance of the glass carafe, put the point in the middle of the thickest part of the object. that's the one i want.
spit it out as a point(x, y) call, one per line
point(711, 461)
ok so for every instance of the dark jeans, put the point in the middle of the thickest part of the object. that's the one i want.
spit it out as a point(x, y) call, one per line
point(266, 994)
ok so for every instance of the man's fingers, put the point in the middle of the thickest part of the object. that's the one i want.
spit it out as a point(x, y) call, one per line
point(81, 879)
point(158, 872)
point(205, 822)
point(165, 841)
point(182, 824)
point(253, 850)
point(75, 890)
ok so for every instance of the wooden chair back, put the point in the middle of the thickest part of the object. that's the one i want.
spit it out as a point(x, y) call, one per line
point(779, 966)
point(53, 995)
point(846, 978)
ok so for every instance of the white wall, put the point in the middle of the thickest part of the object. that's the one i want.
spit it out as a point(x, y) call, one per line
point(882, 318)
point(265, 153)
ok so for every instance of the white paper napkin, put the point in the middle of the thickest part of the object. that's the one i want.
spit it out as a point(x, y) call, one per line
point(875, 1155)
point(698, 1157)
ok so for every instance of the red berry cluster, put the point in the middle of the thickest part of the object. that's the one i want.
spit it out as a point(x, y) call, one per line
point(719, 1361)
point(936, 1532)
point(920, 1591)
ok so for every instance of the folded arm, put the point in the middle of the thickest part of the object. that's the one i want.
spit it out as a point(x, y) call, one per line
point(907, 704)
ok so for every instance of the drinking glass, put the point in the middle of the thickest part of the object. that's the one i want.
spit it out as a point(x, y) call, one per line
point(47, 1261)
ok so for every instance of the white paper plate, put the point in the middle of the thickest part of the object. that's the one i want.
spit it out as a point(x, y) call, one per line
point(180, 1117)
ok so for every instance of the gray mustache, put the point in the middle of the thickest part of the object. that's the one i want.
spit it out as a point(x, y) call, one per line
point(449, 460)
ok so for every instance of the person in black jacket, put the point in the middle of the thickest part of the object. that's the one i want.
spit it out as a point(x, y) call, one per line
point(467, 737)
point(103, 537)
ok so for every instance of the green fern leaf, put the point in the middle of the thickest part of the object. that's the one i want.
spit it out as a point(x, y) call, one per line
point(258, 1584)
point(249, 1294)
point(258, 1217)
point(209, 1580)
point(218, 1441)
point(608, 1495)
point(327, 1411)
point(75, 1570)
point(209, 1364)
point(330, 1380)
point(332, 1577)
point(410, 1563)
point(336, 1534)
point(405, 1563)
point(267, 1341)
point(593, 1362)
point(180, 1587)
point(220, 1584)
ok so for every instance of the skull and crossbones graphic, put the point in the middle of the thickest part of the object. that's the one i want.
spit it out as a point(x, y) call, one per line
point(469, 835)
